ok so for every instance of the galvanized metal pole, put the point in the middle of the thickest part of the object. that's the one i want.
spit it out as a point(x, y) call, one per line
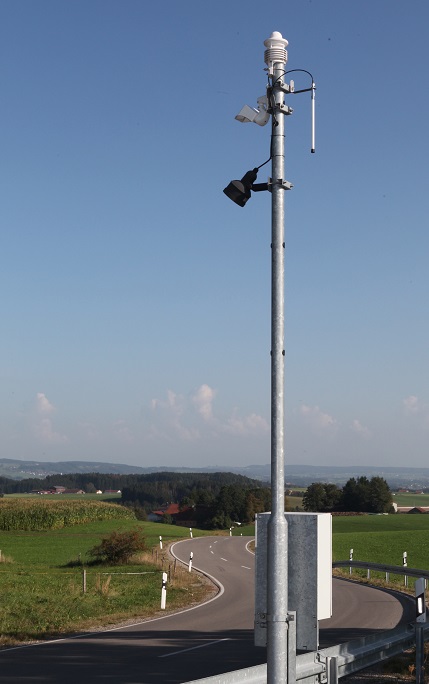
point(277, 572)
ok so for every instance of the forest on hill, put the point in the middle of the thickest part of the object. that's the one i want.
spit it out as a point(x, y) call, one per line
point(210, 500)
point(216, 500)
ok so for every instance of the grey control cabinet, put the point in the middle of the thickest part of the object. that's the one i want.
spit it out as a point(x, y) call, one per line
point(309, 575)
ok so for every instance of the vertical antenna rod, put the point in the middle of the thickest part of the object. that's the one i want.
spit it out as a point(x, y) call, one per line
point(313, 117)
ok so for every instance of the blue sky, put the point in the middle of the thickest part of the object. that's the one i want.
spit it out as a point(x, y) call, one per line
point(135, 299)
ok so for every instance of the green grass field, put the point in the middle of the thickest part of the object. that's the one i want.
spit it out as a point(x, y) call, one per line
point(409, 499)
point(41, 593)
point(377, 539)
point(383, 539)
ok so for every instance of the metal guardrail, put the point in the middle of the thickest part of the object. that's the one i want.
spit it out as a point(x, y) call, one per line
point(380, 567)
point(327, 665)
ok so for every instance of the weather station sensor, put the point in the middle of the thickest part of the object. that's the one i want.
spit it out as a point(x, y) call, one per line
point(276, 51)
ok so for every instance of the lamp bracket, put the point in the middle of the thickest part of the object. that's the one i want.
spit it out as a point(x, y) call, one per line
point(286, 185)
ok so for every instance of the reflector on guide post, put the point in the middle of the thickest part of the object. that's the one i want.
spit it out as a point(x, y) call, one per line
point(420, 600)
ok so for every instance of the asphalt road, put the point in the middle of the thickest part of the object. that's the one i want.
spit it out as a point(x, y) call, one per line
point(202, 641)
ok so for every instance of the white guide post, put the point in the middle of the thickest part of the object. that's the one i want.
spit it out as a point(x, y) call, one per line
point(164, 590)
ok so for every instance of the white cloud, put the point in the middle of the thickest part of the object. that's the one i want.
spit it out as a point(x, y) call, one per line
point(169, 419)
point(203, 400)
point(318, 420)
point(193, 418)
point(43, 405)
point(248, 425)
point(414, 407)
point(43, 427)
point(360, 429)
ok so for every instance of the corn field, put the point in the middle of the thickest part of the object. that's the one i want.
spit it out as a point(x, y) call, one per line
point(40, 514)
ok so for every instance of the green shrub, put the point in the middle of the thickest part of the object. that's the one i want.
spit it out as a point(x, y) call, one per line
point(118, 547)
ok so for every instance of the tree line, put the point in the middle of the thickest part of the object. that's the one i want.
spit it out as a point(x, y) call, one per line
point(217, 500)
point(159, 487)
point(359, 495)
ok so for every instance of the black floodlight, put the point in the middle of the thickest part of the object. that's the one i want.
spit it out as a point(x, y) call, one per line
point(239, 191)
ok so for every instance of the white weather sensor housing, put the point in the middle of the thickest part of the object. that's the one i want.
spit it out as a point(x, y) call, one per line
point(258, 116)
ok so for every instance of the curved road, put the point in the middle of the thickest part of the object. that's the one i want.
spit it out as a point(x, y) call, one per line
point(202, 641)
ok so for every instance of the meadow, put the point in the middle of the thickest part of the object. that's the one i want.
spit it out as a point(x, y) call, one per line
point(41, 579)
point(382, 539)
point(410, 499)
point(377, 538)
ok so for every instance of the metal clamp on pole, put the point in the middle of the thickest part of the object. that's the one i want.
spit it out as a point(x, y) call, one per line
point(284, 184)
point(290, 617)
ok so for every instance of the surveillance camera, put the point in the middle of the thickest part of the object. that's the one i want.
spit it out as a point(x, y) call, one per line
point(259, 116)
point(247, 114)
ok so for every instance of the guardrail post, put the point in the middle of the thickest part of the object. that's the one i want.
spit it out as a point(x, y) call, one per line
point(420, 654)
point(291, 647)
point(332, 670)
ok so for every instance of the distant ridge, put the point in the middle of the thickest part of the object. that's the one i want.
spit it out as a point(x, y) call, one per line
point(298, 475)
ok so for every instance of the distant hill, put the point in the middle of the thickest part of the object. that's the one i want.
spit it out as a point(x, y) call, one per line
point(298, 475)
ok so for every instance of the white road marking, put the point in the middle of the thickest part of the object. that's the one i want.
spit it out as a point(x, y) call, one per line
point(193, 648)
point(246, 567)
point(247, 547)
point(225, 559)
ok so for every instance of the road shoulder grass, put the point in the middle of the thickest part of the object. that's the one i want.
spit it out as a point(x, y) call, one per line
point(41, 582)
